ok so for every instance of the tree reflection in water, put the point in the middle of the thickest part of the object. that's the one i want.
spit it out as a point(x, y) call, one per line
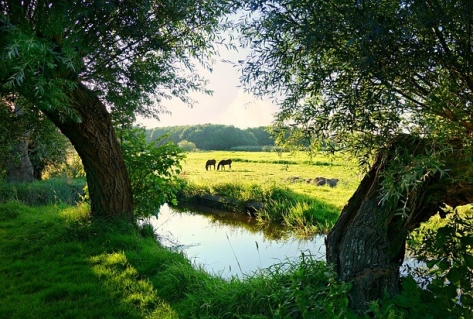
point(230, 244)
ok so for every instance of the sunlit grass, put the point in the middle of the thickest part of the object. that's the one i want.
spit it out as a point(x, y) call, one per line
point(270, 167)
point(270, 178)
point(56, 263)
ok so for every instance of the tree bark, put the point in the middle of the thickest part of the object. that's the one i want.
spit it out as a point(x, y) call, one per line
point(19, 168)
point(367, 243)
point(96, 143)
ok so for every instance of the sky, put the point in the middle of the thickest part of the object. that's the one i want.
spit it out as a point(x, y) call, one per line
point(229, 105)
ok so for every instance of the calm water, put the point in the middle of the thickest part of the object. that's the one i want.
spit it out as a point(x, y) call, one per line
point(229, 244)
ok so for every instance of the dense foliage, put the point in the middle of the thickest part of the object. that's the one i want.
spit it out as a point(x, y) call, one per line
point(153, 170)
point(131, 54)
point(214, 136)
point(47, 147)
point(359, 72)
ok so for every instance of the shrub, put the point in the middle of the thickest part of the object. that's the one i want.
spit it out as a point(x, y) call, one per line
point(187, 146)
point(152, 169)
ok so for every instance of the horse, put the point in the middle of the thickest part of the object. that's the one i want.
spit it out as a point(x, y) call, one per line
point(210, 163)
point(224, 162)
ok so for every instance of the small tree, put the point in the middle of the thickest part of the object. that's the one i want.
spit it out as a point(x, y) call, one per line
point(153, 170)
point(187, 146)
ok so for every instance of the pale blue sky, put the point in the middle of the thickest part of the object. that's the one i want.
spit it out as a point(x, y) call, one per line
point(228, 105)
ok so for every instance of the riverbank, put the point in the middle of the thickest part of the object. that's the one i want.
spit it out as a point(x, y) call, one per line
point(58, 263)
point(276, 188)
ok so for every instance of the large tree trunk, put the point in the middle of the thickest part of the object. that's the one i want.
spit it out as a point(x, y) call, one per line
point(95, 141)
point(367, 244)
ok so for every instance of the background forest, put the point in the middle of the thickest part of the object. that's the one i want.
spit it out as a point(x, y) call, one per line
point(214, 137)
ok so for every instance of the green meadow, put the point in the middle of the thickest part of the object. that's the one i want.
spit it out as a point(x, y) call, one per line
point(280, 181)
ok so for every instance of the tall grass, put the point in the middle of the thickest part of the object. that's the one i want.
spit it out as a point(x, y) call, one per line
point(67, 191)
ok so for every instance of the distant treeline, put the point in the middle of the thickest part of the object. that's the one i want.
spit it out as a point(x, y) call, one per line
point(216, 137)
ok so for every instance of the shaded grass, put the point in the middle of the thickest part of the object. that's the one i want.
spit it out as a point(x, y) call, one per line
point(51, 191)
point(58, 263)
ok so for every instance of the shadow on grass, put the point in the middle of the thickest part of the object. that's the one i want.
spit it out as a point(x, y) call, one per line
point(59, 263)
point(56, 263)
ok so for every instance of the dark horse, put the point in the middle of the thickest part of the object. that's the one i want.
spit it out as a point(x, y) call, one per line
point(224, 162)
point(210, 163)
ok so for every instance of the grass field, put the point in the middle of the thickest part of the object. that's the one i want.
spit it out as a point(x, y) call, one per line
point(269, 177)
point(270, 168)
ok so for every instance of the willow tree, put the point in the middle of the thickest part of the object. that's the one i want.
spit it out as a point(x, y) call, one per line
point(389, 81)
point(83, 63)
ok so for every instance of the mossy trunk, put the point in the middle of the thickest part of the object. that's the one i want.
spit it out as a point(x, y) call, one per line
point(95, 141)
point(367, 244)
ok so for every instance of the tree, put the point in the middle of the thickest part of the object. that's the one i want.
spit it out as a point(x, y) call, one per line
point(18, 164)
point(86, 63)
point(187, 146)
point(389, 81)
point(31, 137)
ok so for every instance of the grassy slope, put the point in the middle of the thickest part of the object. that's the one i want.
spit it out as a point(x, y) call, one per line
point(57, 263)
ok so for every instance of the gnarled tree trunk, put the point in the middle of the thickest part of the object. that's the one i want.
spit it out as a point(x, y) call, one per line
point(95, 141)
point(367, 244)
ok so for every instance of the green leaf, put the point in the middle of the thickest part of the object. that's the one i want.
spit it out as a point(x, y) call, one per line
point(454, 275)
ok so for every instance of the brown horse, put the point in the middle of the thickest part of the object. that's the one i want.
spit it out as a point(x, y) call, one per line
point(224, 162)
point(210, 163)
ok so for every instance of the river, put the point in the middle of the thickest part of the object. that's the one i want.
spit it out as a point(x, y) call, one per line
point(230, 245)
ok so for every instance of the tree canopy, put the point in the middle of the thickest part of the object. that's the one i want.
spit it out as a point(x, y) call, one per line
point(132, 54)
point(214, 136)
point(89, 64)
point(360, 72)
point(389, 81)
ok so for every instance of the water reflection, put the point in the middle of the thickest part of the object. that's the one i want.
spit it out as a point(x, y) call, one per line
point(230, 244)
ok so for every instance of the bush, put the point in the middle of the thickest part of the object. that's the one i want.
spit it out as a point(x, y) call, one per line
point(152, 169)
point(187, 146)
point(446, 278)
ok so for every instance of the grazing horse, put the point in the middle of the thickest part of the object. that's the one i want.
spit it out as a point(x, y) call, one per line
point(224, 162)
point(210, 163)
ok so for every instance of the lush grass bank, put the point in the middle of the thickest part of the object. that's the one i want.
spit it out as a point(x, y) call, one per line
point(67, 191)
point(58, 263)
point(279, 181)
